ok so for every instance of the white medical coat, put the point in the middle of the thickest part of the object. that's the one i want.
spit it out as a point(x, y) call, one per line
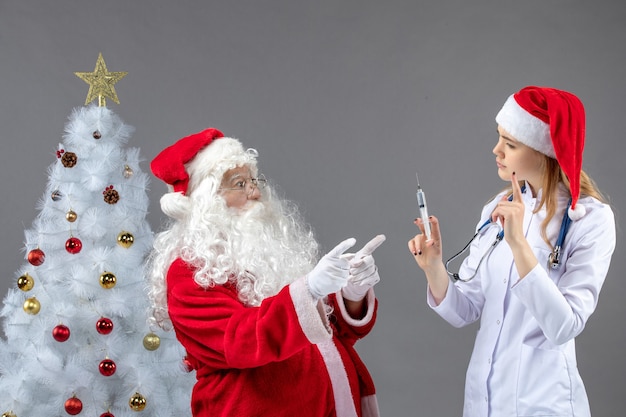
point(524, 358)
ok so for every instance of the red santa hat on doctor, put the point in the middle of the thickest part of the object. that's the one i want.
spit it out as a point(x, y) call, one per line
point(552, 122)
point(199, 157)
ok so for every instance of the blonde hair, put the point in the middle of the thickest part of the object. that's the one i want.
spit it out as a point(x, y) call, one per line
point(553, 175)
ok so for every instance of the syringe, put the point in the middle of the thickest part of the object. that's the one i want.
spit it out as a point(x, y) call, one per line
point(421, 202)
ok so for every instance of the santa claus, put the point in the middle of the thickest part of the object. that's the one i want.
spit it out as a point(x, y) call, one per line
point(269, 330)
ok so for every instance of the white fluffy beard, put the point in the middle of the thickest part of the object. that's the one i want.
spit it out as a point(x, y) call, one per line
point(260, 248)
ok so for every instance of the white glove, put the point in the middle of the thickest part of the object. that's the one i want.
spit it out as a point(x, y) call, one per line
point(331, 272)
point(363, 271)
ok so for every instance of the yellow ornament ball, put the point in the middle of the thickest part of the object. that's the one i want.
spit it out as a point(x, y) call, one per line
point(137, 402)
point(25, 282)
point(71, 216)
point(32, 306)
point(9, 414)
point(151, 341)
point(108, 280)
point(125, 239)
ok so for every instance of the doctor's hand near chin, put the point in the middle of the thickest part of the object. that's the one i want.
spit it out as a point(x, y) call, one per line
point(510, 213)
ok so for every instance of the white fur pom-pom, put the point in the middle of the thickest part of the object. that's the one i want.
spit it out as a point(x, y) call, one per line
point(175, 205)
point(576, 213)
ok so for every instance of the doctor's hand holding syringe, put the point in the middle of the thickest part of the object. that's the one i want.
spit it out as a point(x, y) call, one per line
point(426, 248)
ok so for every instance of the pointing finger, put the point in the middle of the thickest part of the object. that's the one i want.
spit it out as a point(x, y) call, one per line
point(517, 191)
point(370, 247)
point(342, 247)
point(435, 231)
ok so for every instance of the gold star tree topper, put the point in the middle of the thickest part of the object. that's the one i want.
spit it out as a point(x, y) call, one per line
point(101, 83)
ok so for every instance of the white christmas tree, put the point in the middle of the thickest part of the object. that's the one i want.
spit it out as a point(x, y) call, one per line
point(78, 340)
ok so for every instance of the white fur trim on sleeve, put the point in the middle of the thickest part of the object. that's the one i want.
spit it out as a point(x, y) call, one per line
point(370, 299)
point(311, 312)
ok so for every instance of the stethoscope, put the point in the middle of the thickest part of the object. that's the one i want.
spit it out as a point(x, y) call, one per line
point(553, 260)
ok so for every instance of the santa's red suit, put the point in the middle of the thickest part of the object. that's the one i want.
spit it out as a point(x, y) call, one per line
point(283, 358)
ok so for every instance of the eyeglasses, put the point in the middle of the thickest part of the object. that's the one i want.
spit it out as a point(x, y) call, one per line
point(248, 185)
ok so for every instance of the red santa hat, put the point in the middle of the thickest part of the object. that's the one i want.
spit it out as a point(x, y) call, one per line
point(552, 122)
point(199, 155)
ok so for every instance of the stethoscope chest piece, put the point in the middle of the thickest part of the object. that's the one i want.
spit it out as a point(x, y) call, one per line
point(553, 260)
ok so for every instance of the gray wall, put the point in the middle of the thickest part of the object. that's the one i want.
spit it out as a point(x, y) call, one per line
point(345, 100)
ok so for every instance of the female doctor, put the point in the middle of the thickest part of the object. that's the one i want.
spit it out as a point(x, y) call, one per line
point(535, 267)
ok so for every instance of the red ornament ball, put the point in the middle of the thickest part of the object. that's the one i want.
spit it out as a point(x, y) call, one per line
point(107, 367)
point(73, 245)
point(107, 414)
point(73, 406)
point(104, 325)
point(61, 333)
point(36, 257)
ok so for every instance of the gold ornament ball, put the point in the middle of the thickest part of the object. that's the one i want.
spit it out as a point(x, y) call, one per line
point(32, 306)
point(108, 280)
point(137, 402)
point(71, 216)
point(151, 341)
point(125, 239)
point(25, 283)
point(9, 414)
